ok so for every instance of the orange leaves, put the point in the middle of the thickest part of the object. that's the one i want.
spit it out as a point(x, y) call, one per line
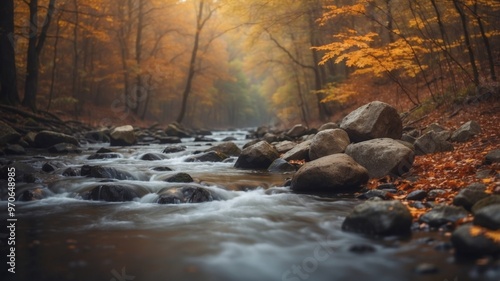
point(491, 234)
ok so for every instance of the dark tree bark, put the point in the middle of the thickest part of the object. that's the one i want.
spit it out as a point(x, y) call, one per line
point(35, 46)
point(200, 23)
point(468, 44)
point(8, 78)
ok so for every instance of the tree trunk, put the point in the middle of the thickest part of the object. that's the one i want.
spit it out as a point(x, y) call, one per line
point(200, 22)
point(8, 79)
point(468, 44)
point(486, 42)
point(35, 46)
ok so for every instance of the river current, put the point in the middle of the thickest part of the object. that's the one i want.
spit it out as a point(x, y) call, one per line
point(258, 231)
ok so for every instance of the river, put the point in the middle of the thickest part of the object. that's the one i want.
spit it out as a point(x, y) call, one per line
point(251, 234)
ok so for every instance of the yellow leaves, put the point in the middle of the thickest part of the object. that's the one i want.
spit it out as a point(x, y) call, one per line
point(491, 234)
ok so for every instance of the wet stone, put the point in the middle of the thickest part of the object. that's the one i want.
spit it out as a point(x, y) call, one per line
point(103, 155)
point(162, 169)
point(14, 149)
point(153, 157)
point(179, 177)
point(174, 148)
point(490, 200)
point(382, 194)
point(488, 217)
point(443, 214)
point(468, 245)
point(468, 196)
point(417, 195)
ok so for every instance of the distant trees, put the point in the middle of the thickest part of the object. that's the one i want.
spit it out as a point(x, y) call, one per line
point(237, 62)
point(430, 47)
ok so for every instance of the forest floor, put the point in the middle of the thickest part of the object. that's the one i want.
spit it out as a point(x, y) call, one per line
point(454, 170)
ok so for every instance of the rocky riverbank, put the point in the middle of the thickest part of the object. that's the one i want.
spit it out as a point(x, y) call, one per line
point(434, 177)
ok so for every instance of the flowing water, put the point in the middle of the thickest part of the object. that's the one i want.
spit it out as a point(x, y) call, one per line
point(251, 234)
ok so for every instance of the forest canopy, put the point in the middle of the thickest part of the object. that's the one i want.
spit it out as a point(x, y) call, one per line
point(222, 63)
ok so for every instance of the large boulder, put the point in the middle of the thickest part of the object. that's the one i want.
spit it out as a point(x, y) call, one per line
point(297, 131)
point(8, 134)
point(466, 132)
point(371, 121)
point(432, 142)
point(45, 139)
point(380, 218)
point(333, 174)
point(123, 136)
point(382, 157)
point(257, 156)
point(328, 142)
point(299, 152)
point(228, 148)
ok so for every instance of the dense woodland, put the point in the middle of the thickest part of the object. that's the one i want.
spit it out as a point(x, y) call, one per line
point(221, 63)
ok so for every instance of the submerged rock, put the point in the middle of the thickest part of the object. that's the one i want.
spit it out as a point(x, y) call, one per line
point(257, 156)
point(174, 148)
point(334, 173)
point(103, 155)
point(34, 194)
point(185, 194)
point(109, 173)
point(179, 177)
point(114, 193)
point(379, 218)
point(371, 121)
point(153, 157)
